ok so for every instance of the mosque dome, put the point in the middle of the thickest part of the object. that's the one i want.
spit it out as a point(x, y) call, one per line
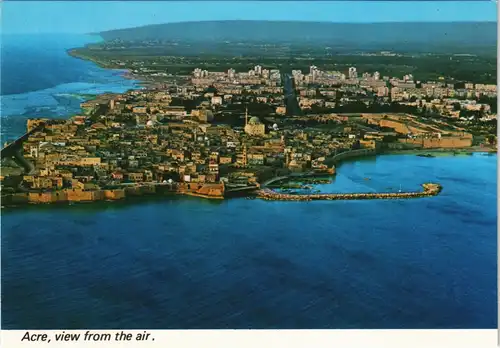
point(254, 120)
point(150, 123)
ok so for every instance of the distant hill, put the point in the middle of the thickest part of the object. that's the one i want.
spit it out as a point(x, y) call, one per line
point(469, 34)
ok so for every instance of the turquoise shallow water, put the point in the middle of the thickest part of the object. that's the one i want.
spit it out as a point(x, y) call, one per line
point(39, 79)
point(189, 263)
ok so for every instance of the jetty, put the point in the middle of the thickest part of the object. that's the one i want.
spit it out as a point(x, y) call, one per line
point(429, 189)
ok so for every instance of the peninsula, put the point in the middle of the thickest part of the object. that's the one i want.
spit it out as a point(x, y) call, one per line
point(219, 126)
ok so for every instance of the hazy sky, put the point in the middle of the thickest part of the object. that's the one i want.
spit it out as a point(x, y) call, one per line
point(94, 16)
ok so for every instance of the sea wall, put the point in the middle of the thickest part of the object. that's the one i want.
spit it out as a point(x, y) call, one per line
point(115, 194)
point(444, 142)
point(140, 190)
point(350, 154)
point(212, 191)
point(429, 190)
point(204, 190)
point(74, 195)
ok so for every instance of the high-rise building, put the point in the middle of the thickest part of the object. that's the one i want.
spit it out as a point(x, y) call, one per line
point(314, 72)
point(258, 70)
point(376, 75)
point(408, 77)
point(197, 73)
point(353, 73)
point(231, 73)
point(382, 92)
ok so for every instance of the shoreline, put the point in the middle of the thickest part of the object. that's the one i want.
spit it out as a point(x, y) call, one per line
point(146, 194)
point(18, 199)
point(443, 151)
point(125, 72)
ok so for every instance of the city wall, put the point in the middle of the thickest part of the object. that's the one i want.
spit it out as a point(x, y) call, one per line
point(212, 191)
point(445, 142)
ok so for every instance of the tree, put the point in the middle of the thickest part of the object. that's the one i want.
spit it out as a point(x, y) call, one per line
point(424, 110)
point(390, 138)
point(318, 93)
point(434, 110)
point(482, 110)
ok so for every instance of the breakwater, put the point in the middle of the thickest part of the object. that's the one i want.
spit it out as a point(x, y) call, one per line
point(430, 189)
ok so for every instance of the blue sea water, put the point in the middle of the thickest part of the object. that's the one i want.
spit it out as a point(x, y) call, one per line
point(189, 263)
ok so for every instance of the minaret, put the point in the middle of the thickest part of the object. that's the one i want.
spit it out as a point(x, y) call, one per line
point(246, 116)
point(244, 155)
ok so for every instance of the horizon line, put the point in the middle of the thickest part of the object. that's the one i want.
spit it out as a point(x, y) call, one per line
point(3, 33)
point(294, 21)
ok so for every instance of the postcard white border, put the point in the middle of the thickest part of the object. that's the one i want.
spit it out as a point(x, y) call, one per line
point(285, 338)
point(271, 338)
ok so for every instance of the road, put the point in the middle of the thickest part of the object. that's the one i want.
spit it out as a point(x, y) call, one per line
point(291, 103)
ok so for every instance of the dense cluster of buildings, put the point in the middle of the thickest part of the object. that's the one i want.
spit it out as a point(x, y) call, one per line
point(405, 90)
point(140, 138)
point(256, 76)
point(129, 143)
point(328, 89)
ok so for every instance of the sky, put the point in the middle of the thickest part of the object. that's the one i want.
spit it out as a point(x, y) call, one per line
point(24, 17)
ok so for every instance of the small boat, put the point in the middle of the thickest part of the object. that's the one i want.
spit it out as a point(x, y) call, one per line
point(367, 178)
